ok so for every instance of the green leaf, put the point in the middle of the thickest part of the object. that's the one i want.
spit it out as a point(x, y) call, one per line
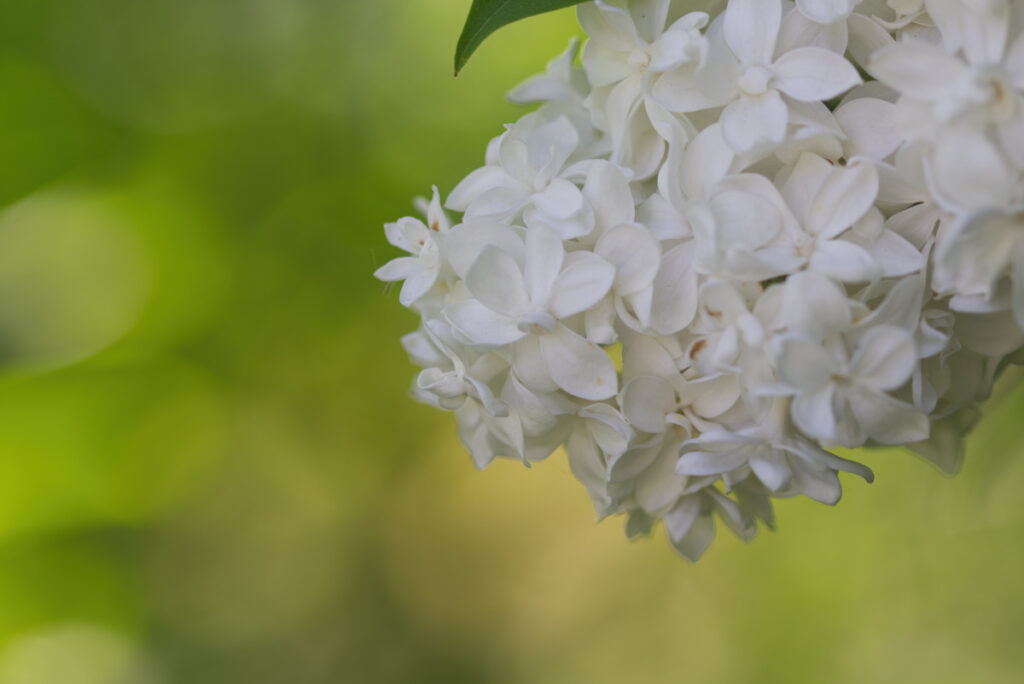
point(487, 16)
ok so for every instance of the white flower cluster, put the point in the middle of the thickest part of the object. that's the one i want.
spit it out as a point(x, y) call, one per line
point(729, 242)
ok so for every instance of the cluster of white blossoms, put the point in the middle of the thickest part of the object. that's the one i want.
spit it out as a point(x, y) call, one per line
point(728, 242)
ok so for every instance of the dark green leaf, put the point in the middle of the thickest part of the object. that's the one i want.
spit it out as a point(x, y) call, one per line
point(487, 16)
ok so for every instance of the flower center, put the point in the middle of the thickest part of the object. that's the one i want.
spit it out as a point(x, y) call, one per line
point(755, 80)
point(638, 59)
point(537, 323)
point(1001, 99)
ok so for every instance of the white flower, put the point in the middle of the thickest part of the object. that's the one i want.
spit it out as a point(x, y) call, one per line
point(978, 252)
point(751, 87)
point(601, 434)
point(763, 273)
point(526, 178)
point(423, 241)
point(629, 48)
point(785, 464)
point(842, 400)
point(526, 297)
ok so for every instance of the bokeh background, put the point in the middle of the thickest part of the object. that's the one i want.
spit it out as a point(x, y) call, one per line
point(210, 471)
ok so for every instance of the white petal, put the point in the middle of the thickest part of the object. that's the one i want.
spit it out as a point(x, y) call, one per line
point(813, 304)
point(659, 486)
point(721, 301)
point(496, 281)
point(477, 183)
point(822, 486)
point(705, 161)
point(604, 65)
point(635, 255)
point(587, 463)
point(868, 122)
point(844, 261)
point(408, 234)
point(710, 462)
point(680, 519)
point(743, 220)
point(751, 27)
point(866, 36)
point(826, 11)
point(771, 469)
point(676, 48)
point(610, 26)
point(662, 219)
point(732, 515)
point(609, 428)
point(698, 539)
point(398, 269)
point(884, 359)
point(803, 364)
point(560, 199)
point(583, 282)
point(528, 365)
point(804, 181)
point(711, 396)
point(579, 367)
point(754, 122)
point(544, 254)
point(649, 17)
point(599, 322)
point(972, 172)
point(416, 286)
point(813, 413)
point(895, 255)
point(466, 240)
point(798, 31)
point(646, 401)
point(713, 85)
point(887, 420)
point(482, 325)
point(608, 192)
point(674, 303)
point(845, 196)
point(813, 74)
point(921, 71)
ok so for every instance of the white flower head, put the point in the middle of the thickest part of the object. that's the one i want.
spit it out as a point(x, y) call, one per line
point(697, 271)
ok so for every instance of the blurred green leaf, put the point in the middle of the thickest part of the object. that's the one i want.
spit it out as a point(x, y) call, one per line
point(487, 16)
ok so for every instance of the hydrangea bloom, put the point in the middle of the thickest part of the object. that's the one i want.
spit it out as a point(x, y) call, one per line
point(728, 242)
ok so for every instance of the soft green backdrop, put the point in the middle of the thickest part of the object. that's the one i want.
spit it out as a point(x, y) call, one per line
point(210, 471)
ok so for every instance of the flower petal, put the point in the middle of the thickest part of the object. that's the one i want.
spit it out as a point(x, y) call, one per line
point(544, 255)
point(803, 364)
point(697, 539)
point(579, 367)
point(710, 462)
point(844, 261)
point(751, 27)
point(482, 325)
point(674, 303)
point(771, 469)
point(583, 282)
point(887, 420)
point(845, 196)
point(496, 281)
point(646, 400)
point(813, 413)
point(885, 358)
point(634, 253)
point(754, 122)
point(813, 74)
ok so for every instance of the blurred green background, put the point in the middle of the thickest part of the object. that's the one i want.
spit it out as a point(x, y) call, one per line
point(210, 471)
